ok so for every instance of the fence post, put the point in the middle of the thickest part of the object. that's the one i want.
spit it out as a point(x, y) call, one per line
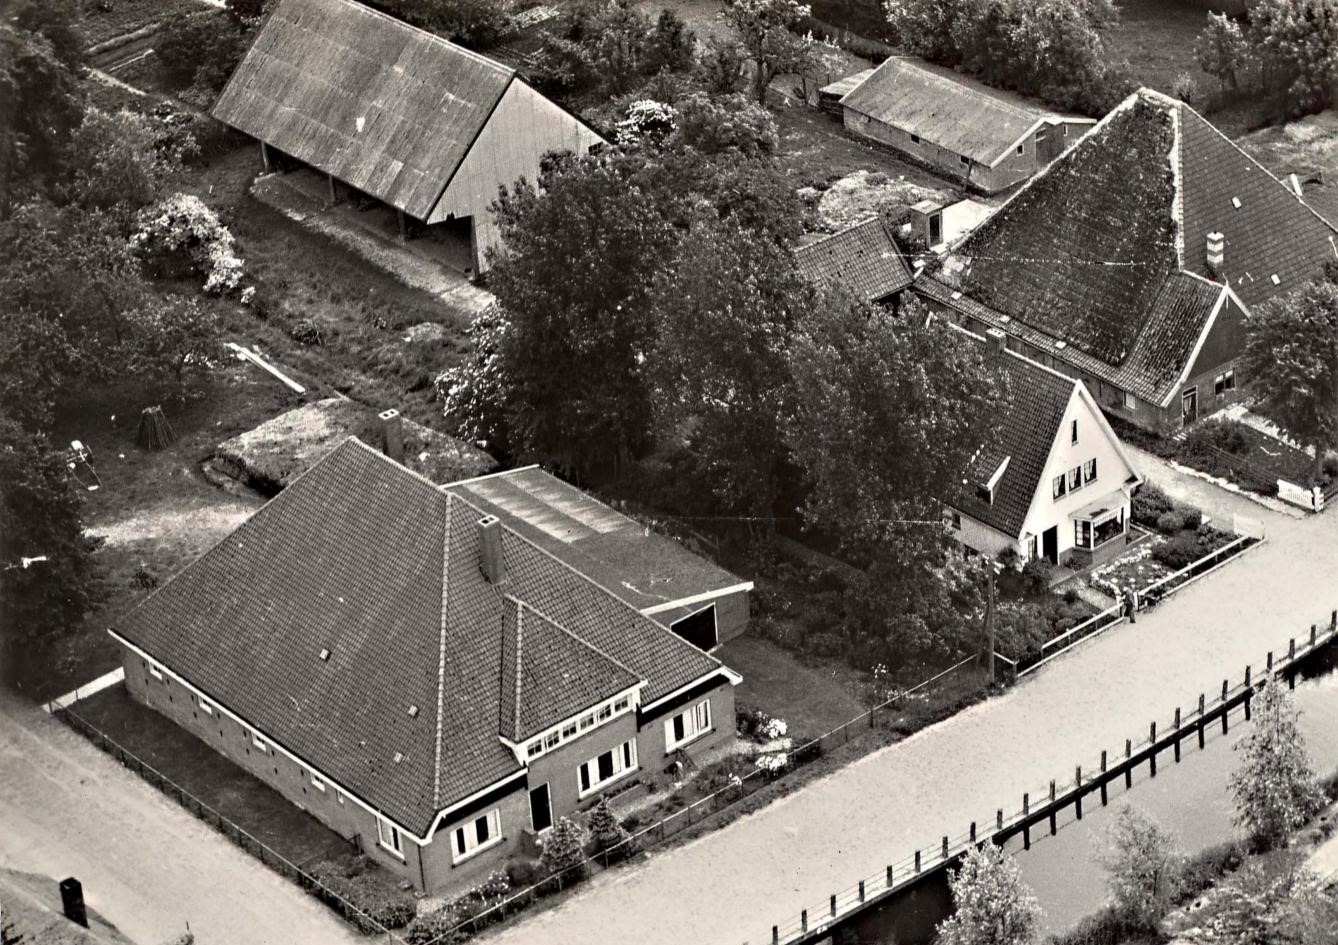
point(775, 935)
point(1104, 800)
point(1177, 734)
point(889, 876)
point(1203, 702)
point(1152, 751)
point(1128, 768)
point(1314, 634)
point(1291, 648)
point(1333, 620)
point(917, 861)
point(998, 820)
point(1270, 661)
point(803, 920)
point(861, 890)
point(945, 848)
point(833, 904)
point(973, 831)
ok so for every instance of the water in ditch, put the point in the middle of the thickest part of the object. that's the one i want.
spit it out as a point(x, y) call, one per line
point(1190, 798)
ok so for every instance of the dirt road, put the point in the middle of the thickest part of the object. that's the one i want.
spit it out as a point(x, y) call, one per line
point(147, 866)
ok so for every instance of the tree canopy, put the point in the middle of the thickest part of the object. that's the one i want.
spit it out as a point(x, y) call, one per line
point(1291, 360)
point(992, 906)
point(1143, 868)
point(1274, 787)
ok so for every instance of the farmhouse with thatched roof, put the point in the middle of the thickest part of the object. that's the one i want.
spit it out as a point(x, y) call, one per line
point(397, 114)
point(1130, 262)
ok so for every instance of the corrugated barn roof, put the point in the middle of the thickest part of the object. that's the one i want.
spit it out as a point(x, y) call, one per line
point(384, 107)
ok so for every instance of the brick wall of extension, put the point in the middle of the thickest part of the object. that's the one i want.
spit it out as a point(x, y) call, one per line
point(505, 811)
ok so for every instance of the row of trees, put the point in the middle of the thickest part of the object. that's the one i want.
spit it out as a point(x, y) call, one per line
point(1286, 47)
point(1275, 793)
point(649, 303)
point(1053, 49)
point(79, 302)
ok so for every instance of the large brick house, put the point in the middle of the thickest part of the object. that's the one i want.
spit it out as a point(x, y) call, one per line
point(963, 129)
point(415, 672)
point(1131, 261)
point(1058, 482)
point(396, 113)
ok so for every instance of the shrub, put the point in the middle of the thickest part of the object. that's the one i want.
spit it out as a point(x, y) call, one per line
point(368, 889)
point(183, 225)
point(1170, 523)
point(1191, 516)
point(1186, 88)
point(1036, 575)
point(1144, 868)
point(522, 874)
point(1209, 439)
point(1178, 552)
point(564, 850)
point(725, 124)
point(144, 578)
point(1329, 467)
point(1148, 505)
point(307, 331)
point(606, 833)
point(1103, 928)
point(432, 928)
point(748, 720)
point(1205, 868)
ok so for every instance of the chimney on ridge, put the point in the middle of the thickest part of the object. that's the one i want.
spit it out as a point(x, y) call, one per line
point(996, 340)
point(1216, 253)
point(392, 434)
point(490, 550)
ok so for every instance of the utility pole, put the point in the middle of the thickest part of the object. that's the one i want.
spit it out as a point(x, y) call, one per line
point(989, 620)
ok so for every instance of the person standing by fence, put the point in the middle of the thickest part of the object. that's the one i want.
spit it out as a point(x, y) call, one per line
point(1131, 604)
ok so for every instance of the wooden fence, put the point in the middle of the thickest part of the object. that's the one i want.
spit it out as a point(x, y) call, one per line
point(1148, 596)
point(1044, 806)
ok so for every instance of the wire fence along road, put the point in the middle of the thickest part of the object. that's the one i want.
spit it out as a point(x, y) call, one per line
point(810, 925)
point(261, 851)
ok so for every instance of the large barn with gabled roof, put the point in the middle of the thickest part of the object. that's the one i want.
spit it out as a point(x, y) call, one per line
point(396, 113)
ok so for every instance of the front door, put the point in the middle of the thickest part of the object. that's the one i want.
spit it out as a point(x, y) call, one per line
point(935, 228)
point(541, 813)
point(1050, 544)
point(1189, 405)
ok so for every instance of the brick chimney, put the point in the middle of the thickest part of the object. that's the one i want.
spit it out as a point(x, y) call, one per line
point(1216, 253)
point(996, 341)
point(491, 562)
point(392, 434)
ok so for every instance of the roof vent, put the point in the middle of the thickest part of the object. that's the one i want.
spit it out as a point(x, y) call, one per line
point(325, 656)
point(413, 711)
point(398, 757)
point(1215, 253)
point(491, 562)
point(997, 342)
point(1235, 202)
point(1005, 319)
point(1061, 345)
point(1276, 280)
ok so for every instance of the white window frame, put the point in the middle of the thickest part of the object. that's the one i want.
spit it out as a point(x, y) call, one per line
point(388, 835)
point(697, 719)
point(624, 764)
point(1092, 478)
point(1059, 486)
point(465, 838)
point(1130, 401)
point(205, 707)
point(317, 783)
point(260, 743)
point(155, 672)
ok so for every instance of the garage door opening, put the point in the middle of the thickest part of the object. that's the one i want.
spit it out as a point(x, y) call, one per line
point(699, 628)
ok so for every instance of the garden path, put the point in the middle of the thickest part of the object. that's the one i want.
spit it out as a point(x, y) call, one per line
point(731, 886)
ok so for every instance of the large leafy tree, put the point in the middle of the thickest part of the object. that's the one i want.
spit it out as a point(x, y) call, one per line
point(1143, 868)
point(725, 311)
point(1291, 360)
point(1052, 48)
point(992, 906)
point(39, 519)
point(1296, 42)
point(896, 405)
point(1274, 788)
point(765, 33)
point(40, 106)
point(1221, 50)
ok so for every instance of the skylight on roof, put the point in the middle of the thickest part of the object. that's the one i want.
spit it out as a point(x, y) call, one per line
point(1276, 280)
point(413, 711)
point(325, 655)
point(398, 757)
point(1061, 345)
point(1235, 202)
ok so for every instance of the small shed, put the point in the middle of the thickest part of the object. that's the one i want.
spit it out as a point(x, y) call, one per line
point(965, 130)
point(397, 114)
point(863, 258)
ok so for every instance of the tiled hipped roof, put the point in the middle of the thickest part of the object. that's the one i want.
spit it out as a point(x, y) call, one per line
point(863, 258)
point(363, 558)
point(1038, 398)
point(1105, 250)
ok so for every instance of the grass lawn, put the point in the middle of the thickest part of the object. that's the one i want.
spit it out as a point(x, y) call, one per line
point(1157, 39)
point(813, 698)
point(213, 779)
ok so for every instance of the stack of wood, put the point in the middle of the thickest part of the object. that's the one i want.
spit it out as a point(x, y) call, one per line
point(155, 433)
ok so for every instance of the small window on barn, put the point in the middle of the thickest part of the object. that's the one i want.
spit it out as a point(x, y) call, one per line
point(915, 139)
point(966, 161)
point(155, 672)
point(1021, 148)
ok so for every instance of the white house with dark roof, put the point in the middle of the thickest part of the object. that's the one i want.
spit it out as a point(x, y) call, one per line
point(1058, 483)
point(396, 113)
point(1131, 261)
point(424, 676)
point(966, 130)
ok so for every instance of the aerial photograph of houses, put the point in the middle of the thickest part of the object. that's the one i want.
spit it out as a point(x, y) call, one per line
point(669, 472)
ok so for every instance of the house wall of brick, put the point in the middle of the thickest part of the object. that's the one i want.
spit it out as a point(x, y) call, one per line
point(983, 538)
point(651, 744)
point(440, 870)
point(561, 766)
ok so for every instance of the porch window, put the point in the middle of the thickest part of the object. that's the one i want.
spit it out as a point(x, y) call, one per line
point(1092, 528)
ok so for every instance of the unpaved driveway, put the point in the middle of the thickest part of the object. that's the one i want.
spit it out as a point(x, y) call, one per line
point(146, 865)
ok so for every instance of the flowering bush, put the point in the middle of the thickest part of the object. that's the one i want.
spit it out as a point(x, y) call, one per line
point(773, 764)
point(774, 729)
point(646, 121)
point(184, 224)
